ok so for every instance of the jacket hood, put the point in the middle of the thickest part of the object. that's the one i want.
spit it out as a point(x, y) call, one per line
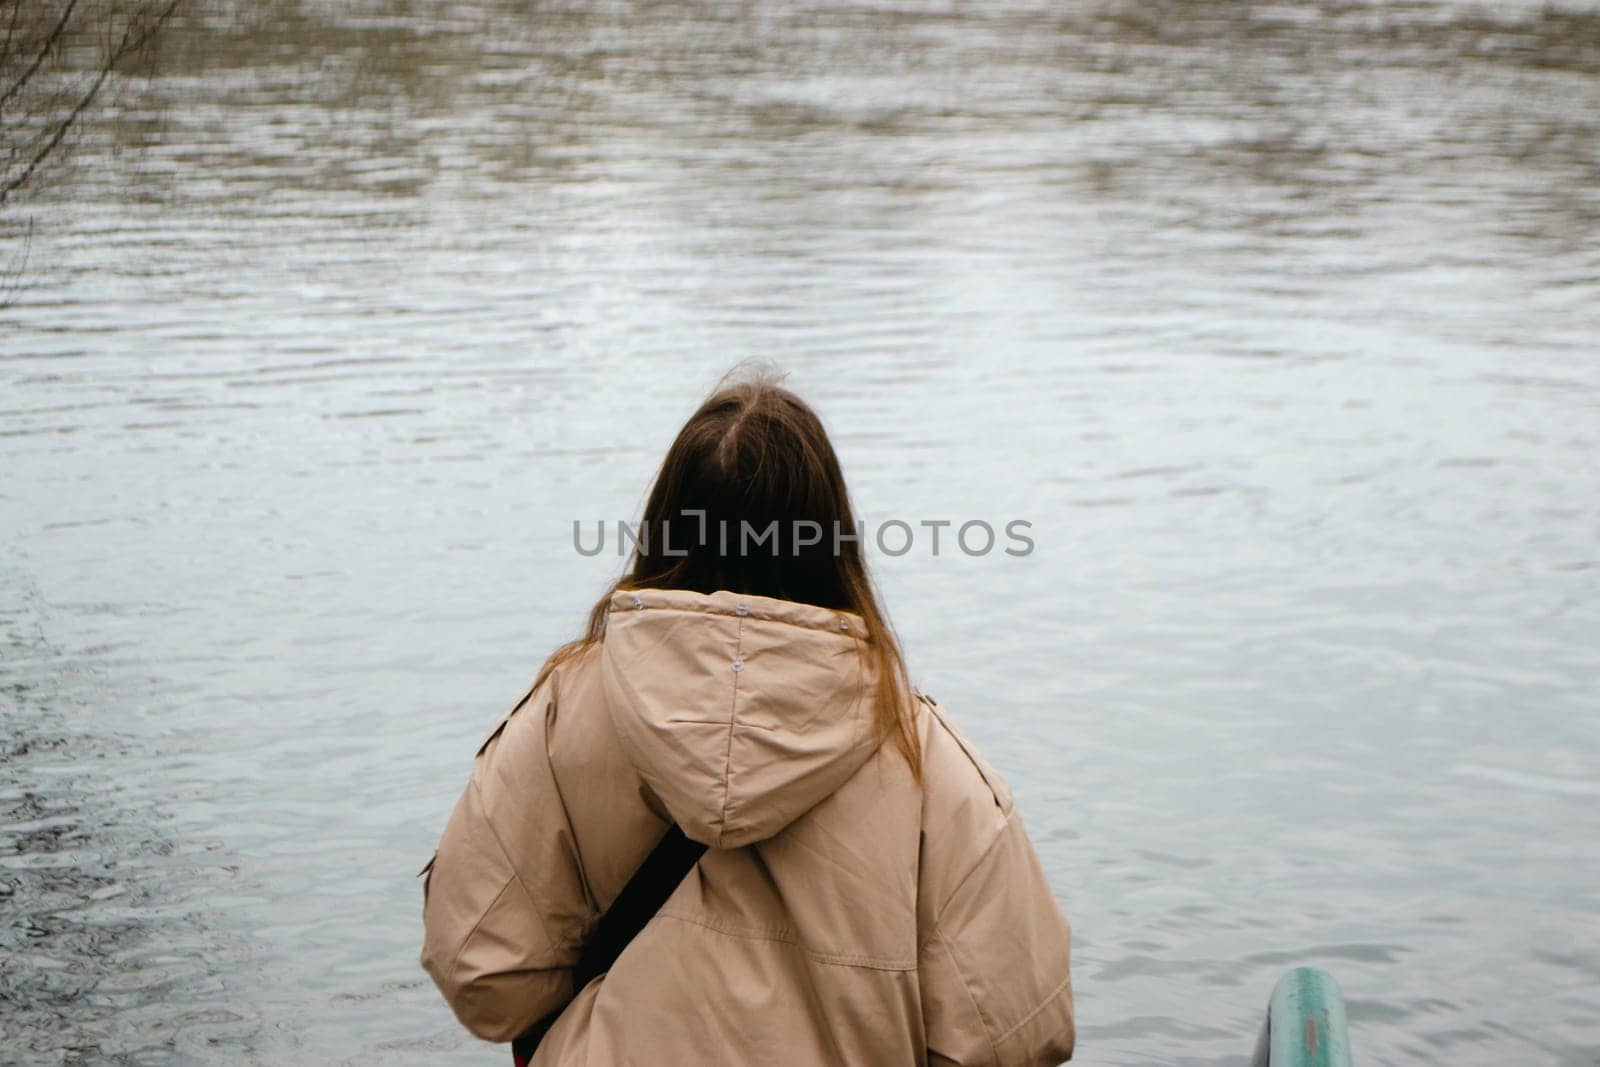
point(740, 712)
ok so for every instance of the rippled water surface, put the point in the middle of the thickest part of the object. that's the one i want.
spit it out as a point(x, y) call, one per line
point(1280, 323)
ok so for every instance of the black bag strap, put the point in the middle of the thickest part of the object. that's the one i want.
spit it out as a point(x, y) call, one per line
point(636, 905)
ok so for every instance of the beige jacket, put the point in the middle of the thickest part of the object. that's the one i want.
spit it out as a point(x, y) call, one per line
point(843, 914)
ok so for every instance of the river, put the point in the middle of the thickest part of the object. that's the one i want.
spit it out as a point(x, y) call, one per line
point(1279, 323)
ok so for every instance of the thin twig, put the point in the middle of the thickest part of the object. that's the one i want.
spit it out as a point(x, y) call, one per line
point(12, 279)
point(129, 43)
point(50, 145)
point(44, 50)
point(11, 32)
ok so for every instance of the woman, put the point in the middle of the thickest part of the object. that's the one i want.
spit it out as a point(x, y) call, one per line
point(867, 896)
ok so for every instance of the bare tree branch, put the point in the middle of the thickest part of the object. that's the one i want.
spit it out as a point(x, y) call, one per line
point(13, 184)
point(45, 113)
point(11, 32)
point(51, 40)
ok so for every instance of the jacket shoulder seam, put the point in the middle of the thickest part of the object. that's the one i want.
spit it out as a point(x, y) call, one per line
point(510, 857)
point(966, 987)
point(990, 777)
point(977, 865)
point(516, 871)
point(455, 959)
point(505, 718)
point(1049, 999)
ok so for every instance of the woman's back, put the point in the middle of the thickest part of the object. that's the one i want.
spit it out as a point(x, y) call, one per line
point(844, 912)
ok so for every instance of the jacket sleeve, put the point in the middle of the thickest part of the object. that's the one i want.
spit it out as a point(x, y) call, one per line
point(505, 903)
point(995, 969)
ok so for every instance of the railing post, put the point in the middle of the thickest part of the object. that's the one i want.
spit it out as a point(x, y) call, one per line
point(1305, 1024)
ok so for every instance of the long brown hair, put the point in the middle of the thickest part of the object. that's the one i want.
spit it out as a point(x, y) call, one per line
point(752, 456)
